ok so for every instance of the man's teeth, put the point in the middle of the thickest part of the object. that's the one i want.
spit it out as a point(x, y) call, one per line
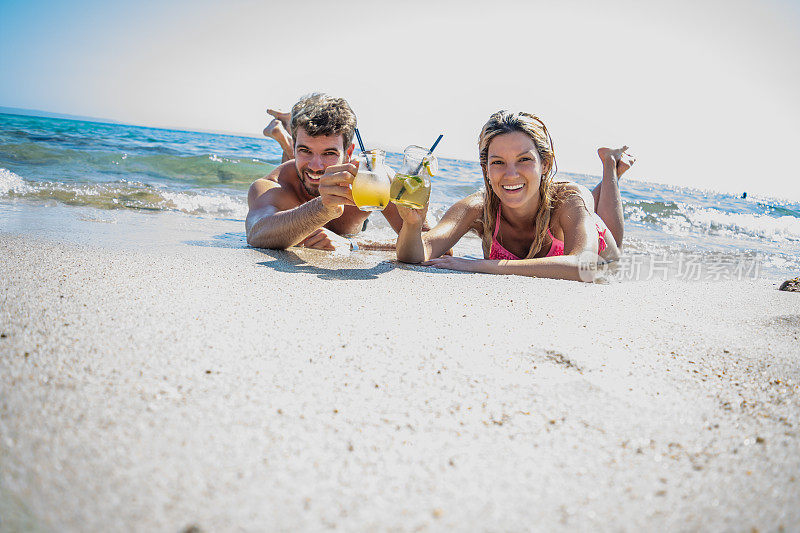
point(513, 187)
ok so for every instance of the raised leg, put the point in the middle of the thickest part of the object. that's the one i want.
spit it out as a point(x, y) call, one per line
point(278, 129)
point(622, 165)
point(607, 199)
point(282, 116)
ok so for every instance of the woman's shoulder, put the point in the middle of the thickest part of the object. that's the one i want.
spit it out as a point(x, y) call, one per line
point(566, 186)
point(472, 203)
point(573, 202)
point(570, 195)
point(476, 199)
point(467, 211)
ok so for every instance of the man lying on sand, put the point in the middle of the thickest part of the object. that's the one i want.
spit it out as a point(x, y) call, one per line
point(307, 200)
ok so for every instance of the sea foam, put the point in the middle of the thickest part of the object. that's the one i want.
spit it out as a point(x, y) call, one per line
point(763, 226)
point(124, 195)
point(10, 182)
point(679, 218)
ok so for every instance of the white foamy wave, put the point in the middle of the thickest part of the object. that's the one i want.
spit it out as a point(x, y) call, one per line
point(211, 204)
point(124, 194)
point(11, 182)
point(734, 224)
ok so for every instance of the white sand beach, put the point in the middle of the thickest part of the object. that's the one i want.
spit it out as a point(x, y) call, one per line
point(165, 376)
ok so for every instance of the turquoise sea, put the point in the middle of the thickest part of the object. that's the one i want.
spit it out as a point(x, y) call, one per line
point(115, 168)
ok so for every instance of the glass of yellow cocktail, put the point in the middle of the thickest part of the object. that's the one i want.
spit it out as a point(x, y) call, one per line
point(411, 185)
point(372, 184)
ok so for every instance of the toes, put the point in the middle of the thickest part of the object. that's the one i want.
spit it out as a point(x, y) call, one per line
point(280, 115)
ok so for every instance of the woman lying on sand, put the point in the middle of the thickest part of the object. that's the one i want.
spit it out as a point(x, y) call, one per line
point(531, 225)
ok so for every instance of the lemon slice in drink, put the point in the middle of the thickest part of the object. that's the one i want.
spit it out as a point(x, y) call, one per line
point(427, 165)
point(412, 183)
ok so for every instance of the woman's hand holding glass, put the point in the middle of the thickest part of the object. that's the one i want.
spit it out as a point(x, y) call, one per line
point(414, 217)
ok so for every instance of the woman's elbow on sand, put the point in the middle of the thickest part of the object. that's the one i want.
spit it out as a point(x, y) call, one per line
point(406, 258)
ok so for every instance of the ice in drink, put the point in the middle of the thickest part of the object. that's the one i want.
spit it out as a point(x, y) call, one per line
point(410, 191)
point(411, 186)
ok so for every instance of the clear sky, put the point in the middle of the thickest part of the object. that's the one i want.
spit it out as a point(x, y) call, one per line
point(705, 92)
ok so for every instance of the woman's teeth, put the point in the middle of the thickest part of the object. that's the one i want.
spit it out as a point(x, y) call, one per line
point(512, 187)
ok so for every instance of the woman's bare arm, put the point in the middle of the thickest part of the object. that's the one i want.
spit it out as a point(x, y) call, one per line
point(580, 237)
point(415, 247)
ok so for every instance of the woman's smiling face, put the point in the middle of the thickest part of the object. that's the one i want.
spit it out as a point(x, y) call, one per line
point(514, 168)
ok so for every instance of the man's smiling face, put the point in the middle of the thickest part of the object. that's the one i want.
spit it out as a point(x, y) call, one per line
point(312, 155)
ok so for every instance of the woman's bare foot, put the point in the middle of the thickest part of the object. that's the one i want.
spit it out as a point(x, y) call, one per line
point(607, 197)
point(622, 160)
point(283, 117)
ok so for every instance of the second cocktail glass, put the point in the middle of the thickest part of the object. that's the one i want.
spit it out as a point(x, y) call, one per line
point(411, 185)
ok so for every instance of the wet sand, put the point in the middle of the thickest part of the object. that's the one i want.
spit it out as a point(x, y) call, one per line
point(149, 387)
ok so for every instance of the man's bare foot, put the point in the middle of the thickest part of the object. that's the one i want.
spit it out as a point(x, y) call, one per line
point(276, 130)
point(283, 117)
point(622, 160)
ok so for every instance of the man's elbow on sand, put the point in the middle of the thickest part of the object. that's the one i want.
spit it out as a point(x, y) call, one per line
point(265, 240)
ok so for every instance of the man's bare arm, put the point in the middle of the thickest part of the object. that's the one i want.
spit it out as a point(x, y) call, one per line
point(270, 227)
point(278, 219)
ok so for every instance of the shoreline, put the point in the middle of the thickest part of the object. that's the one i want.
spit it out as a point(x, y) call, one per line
point(158, 374)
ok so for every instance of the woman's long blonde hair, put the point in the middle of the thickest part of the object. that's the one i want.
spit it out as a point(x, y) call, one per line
point(532, 126)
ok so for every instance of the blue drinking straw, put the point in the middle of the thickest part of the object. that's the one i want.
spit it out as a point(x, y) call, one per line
point(435, 144)
point(426, 155)
point(361, 144)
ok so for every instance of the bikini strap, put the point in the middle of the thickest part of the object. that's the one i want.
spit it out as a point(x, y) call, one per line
point(497, 222)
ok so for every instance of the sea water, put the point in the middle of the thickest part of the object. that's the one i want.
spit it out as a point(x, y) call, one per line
point(116, 168)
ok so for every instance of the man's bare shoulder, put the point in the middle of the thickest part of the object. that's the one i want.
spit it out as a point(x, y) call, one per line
point(274, 189)
point(284, 173)
point(260, 186)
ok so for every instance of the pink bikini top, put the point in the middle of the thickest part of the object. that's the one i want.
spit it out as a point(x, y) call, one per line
point(498, 252)
point(556, 247)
